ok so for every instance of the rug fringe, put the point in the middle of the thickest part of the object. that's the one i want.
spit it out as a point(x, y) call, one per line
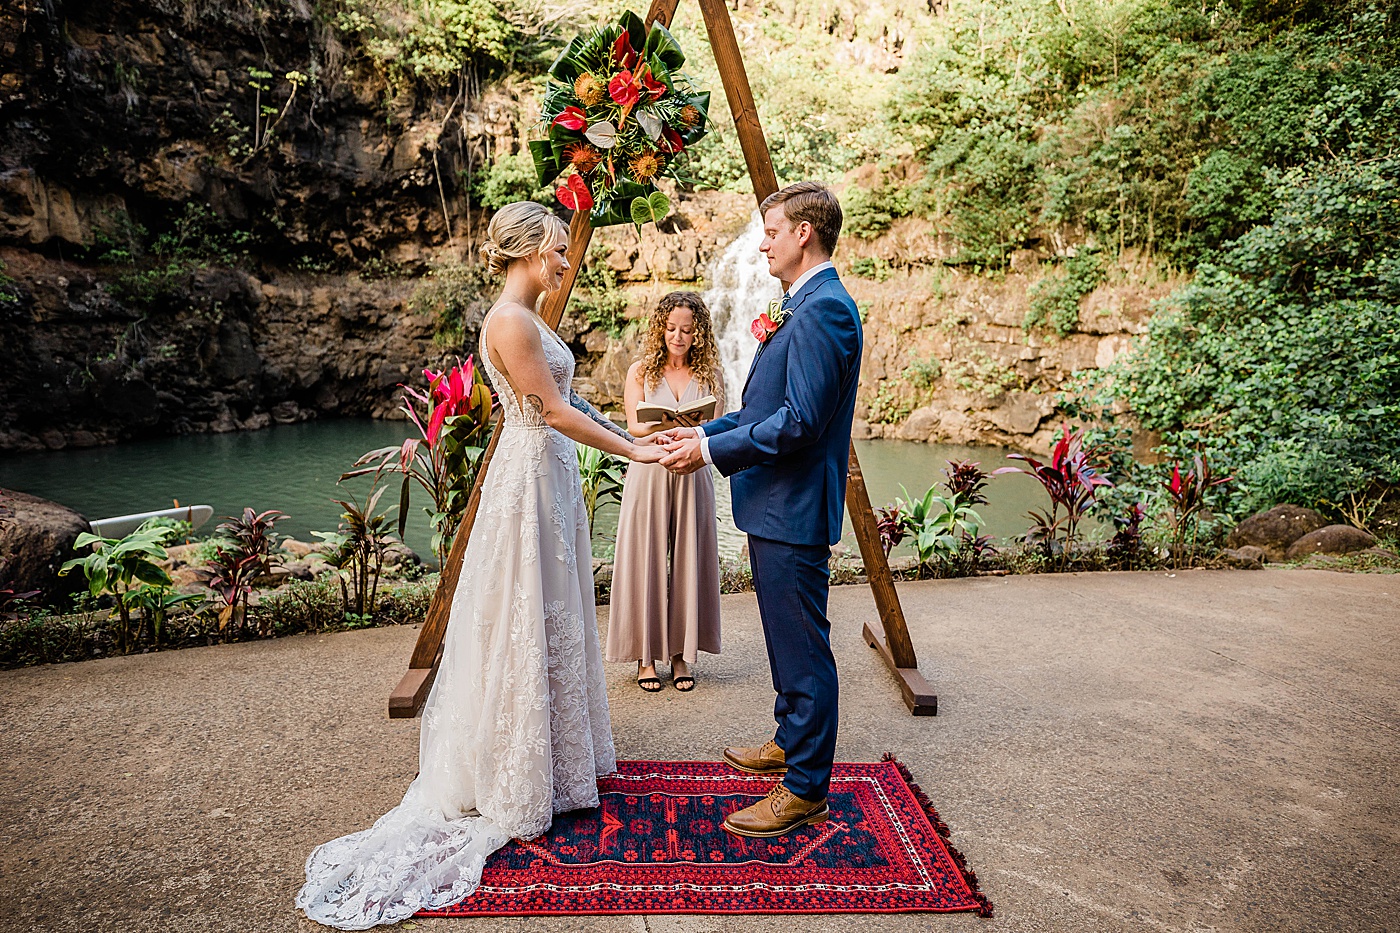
point(984, 908)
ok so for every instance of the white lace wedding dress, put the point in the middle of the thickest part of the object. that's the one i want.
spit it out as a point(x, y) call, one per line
point(516, 727)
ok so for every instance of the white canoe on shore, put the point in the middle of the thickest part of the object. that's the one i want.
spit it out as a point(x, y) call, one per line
point(123, 525)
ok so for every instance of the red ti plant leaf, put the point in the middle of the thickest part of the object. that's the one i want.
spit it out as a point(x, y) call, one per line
point(571, 118)
point(574, 194)
point(1070, 481)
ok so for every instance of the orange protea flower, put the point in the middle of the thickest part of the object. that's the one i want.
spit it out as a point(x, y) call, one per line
point(582, 157)
point(589, 89)
point(645, 166)
point(690, 116)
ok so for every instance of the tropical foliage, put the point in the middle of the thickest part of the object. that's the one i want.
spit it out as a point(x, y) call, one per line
point(601, 476)
point(619, 112)
point(121, 567)
point(244, 554)
point(1281, 360)
point(453, 418)
point(356, 552)
point(1071, 480)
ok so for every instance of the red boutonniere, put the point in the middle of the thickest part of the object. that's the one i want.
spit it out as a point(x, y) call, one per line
point(767, 323)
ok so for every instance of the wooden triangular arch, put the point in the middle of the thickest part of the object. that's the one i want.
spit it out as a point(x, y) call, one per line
point(896, 648)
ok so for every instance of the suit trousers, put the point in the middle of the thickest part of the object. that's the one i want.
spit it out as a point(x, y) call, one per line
point(792, 581)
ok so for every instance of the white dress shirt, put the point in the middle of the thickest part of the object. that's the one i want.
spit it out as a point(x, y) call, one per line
point(793, 289)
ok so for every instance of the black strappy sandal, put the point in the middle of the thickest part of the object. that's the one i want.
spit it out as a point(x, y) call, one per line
point(648, 684)
point(684, 683)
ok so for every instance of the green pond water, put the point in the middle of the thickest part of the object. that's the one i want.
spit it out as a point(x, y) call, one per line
point(294, 468)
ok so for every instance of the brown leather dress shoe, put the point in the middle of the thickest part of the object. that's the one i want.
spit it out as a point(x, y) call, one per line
point(768, 759)
point(776, 815)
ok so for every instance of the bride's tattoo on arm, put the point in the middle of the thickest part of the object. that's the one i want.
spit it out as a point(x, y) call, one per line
point(534, 402)
point(581, 403)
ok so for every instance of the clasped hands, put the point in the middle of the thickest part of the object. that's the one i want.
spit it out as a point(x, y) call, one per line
point(679, 444)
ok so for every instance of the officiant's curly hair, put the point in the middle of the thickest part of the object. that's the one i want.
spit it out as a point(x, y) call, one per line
point(703, 356)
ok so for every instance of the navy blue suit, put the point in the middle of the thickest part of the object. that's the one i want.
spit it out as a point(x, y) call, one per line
point(786, 452)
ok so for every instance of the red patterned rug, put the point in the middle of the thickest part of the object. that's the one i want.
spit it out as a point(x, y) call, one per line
point(655, 846)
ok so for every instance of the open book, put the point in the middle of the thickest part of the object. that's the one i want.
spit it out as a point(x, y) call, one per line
point(694, 412)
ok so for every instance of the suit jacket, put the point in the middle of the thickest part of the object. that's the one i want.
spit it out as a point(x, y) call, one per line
point(787, 448)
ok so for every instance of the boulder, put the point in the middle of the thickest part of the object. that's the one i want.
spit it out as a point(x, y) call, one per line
point(1332, 539)
point(1248, 557)
point(1275, 530)
point(35, 540)
point(396, 555)
point(921, 423)
point(301, 548)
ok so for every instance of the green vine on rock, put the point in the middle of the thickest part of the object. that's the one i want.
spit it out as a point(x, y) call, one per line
point(1055, 299)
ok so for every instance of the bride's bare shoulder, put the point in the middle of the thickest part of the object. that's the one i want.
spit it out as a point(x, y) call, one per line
point(512, 322)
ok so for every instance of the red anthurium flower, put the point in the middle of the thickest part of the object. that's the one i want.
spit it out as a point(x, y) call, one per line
point(622, 52)
point(571, 118)
point(623, 90)
point(574, 194)
point(763, 327)
point(648, 82)
point(670, 141)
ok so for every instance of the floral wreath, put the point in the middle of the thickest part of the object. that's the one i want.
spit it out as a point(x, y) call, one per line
point(618, 113)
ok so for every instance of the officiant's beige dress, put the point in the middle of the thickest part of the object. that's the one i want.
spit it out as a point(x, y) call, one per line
point(665, 585)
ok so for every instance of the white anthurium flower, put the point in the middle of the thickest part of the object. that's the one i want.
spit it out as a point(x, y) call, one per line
point(602, 134)
point(650, 124)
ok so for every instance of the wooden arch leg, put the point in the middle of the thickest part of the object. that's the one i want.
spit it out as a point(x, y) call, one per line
point(896, 648)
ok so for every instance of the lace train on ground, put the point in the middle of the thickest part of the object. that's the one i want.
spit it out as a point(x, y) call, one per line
point(516, 727)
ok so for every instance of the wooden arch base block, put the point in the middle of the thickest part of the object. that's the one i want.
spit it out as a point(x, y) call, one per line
point(918, 693)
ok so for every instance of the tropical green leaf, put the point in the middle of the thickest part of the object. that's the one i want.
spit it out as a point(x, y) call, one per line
point(546, 165)
point(87, 537)
point(650, 209)
point(662, 46)
point(636, 30)
point(150, 573)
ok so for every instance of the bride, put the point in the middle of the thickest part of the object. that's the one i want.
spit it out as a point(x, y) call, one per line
point(516, 727)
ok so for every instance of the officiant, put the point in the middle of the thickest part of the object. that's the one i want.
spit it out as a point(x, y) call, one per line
point(665, 585)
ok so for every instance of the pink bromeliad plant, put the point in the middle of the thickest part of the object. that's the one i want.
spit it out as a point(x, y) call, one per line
point(453, 418)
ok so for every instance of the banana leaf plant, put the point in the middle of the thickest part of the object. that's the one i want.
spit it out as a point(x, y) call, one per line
point(121, 566)
point(601, 475)
point(1070, 480)
point(938, 525)
point(453, 418)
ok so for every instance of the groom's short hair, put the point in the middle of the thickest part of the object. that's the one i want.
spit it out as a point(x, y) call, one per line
point(812, 202)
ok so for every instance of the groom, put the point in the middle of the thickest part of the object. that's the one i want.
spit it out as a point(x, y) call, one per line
point(787, 451)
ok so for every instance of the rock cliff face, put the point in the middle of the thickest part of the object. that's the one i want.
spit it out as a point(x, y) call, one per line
point(172, 265)
point(948, 355)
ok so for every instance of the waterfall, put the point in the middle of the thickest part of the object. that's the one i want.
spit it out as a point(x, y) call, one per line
point(740, 288)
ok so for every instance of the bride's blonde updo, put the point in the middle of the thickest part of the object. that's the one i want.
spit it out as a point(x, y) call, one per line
point(518, 231)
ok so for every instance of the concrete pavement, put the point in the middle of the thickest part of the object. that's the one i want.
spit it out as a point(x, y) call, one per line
point(1202, 751)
